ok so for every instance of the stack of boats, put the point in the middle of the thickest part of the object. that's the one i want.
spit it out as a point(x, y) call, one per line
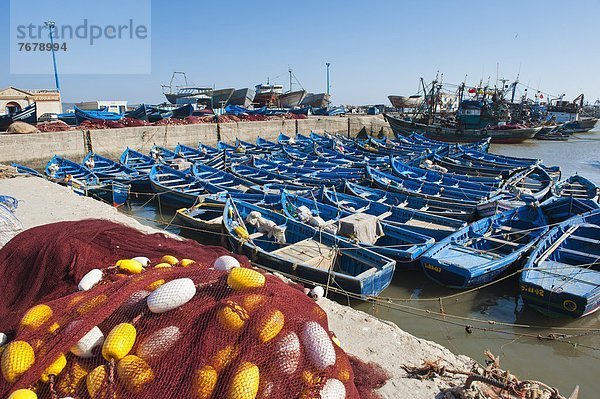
point(348, 213)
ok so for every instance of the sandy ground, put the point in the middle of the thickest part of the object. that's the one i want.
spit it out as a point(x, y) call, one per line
point(363, 335)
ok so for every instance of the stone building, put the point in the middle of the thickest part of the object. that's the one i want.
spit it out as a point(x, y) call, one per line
point(13, 100)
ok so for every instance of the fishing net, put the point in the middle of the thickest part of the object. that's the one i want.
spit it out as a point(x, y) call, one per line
point(174, 328)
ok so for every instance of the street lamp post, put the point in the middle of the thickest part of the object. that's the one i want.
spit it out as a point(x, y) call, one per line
point(327, 64)
point(51, 25)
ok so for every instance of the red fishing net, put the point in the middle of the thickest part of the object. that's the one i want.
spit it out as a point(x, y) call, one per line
point(175, 328)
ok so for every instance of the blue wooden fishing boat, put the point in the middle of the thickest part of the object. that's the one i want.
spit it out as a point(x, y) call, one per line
point(404, 246)
point(27, 115)
point(466, 167)
point(107, 169)
point(195, 155)
point(299, 155)
point(427, 224)
point(220, 178)
point(268, 145)
point(204, 217)
point(533, 181)
point(401, 169)
point(409, 186)
point(577, 186)
point(26, 170)
point(260, 176)
point(261, 199)
point(84, 182)
point(137, 161)
point(250, 148)
point(178, 189)
point(483, 251)
point(302, 251)
point(561, 277)
point(452, 210)
point(85, 115)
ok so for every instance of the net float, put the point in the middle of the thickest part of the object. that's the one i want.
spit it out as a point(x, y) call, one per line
point(17, 358)
point(225, 263)
point(252, 302)
point(171, 260)
point(134, 373)
point(288, 353)
point(119, 342)
point(85, 346)
point(90, 279)
point(317, 293)
point(186, 262)
point(130, 266)
point(270, 325)
point(154, 285)
point(171, 295)
point(55, 368)
point(241, 232)
point(23, 394)
point(224, 356)
point(36, 316)
point(157, 343)
point(95, 380)
point(143, 260)
point(205, 382)
point(333, 389)
point(318, 345)
point(241, 278)
point(232, 316)
point(244, 383)
point(72, 379)
point(162, 265)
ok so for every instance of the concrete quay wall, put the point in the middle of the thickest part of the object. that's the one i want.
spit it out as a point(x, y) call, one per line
point(36, 149)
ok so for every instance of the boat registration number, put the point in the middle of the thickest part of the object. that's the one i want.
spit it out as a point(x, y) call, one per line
point(531, 290)
point(433, 267)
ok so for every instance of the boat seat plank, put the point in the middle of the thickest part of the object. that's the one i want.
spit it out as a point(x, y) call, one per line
point(594, 258)
point(256, 235)
point(501, 241)
point(309, 252)
point(428, 225)
point(585, 239)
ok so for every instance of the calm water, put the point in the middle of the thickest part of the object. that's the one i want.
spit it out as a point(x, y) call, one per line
point(557, 363)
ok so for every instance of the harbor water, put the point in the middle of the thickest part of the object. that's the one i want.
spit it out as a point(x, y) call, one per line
point(492, 318)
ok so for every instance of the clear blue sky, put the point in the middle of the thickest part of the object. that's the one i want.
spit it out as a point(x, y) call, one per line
point(375, 48)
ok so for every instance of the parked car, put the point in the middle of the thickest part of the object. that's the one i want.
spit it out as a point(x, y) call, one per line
point(48, 117)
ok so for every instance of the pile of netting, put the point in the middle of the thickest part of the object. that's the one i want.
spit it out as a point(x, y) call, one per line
point(94, 309)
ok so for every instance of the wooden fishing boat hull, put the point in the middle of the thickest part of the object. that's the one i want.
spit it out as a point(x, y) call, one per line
point(561, 277)
point(367, 273)
point(27, 115)
point(403, 127)
point(203, 217)
point(578, 187)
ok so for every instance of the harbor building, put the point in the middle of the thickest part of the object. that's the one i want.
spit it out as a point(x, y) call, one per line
point(13, 100)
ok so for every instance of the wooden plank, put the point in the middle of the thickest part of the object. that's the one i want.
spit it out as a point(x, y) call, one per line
point(308, 252)
point(428, 225)
point(501, 241)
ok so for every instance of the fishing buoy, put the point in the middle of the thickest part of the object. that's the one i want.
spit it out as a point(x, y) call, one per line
point(318, 345)
point(270, 325)
point(95, 380)
point(134, 373)
point(171, 260)
point(317, 293)
point(3, 339)
point(244, 383)
point(186, 262)
point(154, 285)
point(72, 379)
point(90, 279)
point(130, 266)
point(163, 265)
point(17, 358)
point(35, 317)
point(55, 368)
point(232, 316)
point(119, 342)
point(171, 295)
point(85, 346)
point(23, 394)
point(143, 260)
point(333, 389)
point(253, 302)
point(224, 356)
point(241, 232)
point(226, 263)
point(158, 343)
point(288, 353)
point(306, 291)
point(241, 278)
point(205, 382)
